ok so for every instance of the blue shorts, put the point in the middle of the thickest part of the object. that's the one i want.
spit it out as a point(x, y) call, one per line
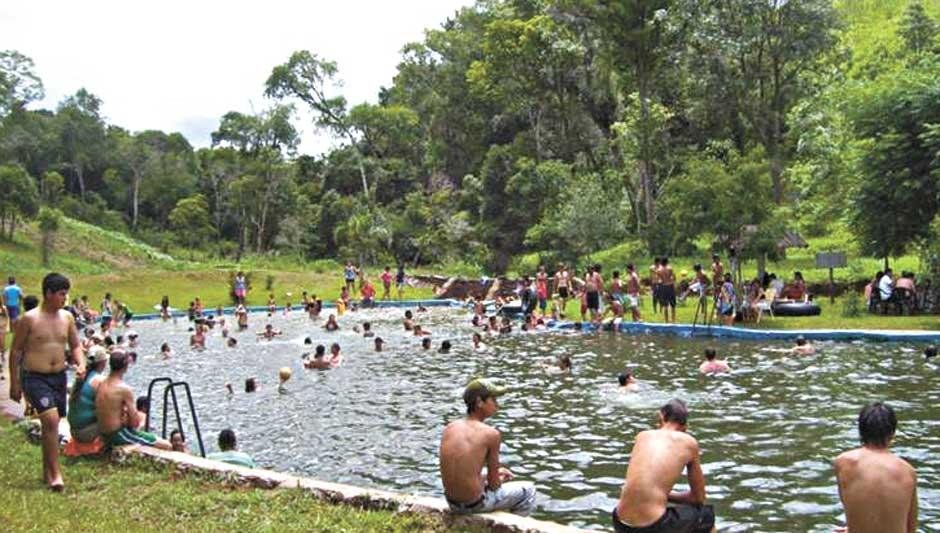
point(46, 391)
point(14, 312)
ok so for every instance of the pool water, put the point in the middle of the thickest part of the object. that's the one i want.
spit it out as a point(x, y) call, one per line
point(768, 432)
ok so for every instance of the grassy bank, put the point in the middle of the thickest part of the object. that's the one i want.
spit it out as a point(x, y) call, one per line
point(142, 496)
point(831, 318)
point(100, 261)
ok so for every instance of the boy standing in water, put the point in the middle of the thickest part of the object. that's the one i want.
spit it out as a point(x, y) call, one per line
point(43, 334)
point(878, 489)
point(467, 445)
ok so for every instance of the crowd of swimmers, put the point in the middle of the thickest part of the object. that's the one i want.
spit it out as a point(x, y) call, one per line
point(877, 489)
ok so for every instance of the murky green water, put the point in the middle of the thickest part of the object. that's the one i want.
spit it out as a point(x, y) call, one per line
point(768, 432)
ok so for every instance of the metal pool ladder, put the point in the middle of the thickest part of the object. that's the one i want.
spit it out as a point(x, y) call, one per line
point(170, 392)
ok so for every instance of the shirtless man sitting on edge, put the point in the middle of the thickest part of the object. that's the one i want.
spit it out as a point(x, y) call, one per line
point(117, 412)
point(42, 335)
point(467, 445)
point(877, 488)
point(647, 502)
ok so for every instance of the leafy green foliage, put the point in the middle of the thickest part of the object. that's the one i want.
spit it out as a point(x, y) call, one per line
point(520, 132)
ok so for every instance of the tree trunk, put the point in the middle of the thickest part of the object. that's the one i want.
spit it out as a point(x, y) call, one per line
point(46, 247)
point(134, 200)
point(81, 179)
point(776, 165)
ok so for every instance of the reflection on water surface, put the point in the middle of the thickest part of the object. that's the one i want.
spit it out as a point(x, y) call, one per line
point(768, 432)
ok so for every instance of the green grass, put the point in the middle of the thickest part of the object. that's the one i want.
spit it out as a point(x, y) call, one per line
point(143, 496)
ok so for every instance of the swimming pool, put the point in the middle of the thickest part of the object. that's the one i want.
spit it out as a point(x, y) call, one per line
point(768, 432)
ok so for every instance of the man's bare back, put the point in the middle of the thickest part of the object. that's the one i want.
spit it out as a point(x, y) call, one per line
point(115, 406)
point(658, 458)
point(466, 447)
point(878, 491)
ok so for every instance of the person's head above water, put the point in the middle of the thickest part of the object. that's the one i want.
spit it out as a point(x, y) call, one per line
point(308, 340)
point(710, 354)
point(675, 411)
point(800, 340)
point(877, 425)
point(408, 314)
point(930, 351)
point(445, 346)
point(478, 391)
point(227, 440)
point(426, 343)
point(624, 378)
point(564, 362)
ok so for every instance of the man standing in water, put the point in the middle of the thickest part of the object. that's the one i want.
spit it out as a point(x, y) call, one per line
point(878, 489)
point(647, 502)
point(467, 445)
point(43, 334)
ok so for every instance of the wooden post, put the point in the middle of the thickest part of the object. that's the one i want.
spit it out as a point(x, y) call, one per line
point(832, 288)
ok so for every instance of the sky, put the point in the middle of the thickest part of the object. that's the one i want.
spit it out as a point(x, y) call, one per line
point(180, 65)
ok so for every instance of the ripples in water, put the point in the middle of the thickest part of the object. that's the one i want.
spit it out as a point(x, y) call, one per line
point(768, 432)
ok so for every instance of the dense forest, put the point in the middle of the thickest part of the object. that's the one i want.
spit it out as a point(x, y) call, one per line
point(549, 127)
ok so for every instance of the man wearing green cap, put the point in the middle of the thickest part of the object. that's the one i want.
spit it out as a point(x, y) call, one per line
point(467, 445)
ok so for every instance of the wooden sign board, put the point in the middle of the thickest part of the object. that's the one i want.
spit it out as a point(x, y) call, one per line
point(830, 260)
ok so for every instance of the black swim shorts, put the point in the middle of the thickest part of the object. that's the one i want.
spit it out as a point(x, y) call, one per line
point(563, 292)
point(46, 391)
point(667, 295)
point(593, 300)
point(678, 518)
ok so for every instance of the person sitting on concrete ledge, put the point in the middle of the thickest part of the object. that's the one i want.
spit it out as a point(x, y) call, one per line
point(83, 423)
point(467, 445)
point(229, 454)
point(118, 418)
point(647, 502)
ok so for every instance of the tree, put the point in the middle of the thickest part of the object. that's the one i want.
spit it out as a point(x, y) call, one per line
point(19, 200)
point(251, 134)
point(81, 134)
point(917, 29)
point(528, 67)
point(190, 219)
point(51, 187)
point(49, 222)
point(305, 77)
point(19, 85)
point(896, 198)
point(638, 38)
point(762, 51)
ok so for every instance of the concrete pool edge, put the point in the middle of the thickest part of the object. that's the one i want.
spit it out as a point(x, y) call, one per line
point(338, 493)
point(689, 330)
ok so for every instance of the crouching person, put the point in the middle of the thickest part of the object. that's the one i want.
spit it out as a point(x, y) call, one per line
point(118, 417)
point(83, 422)
point(467, 445)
